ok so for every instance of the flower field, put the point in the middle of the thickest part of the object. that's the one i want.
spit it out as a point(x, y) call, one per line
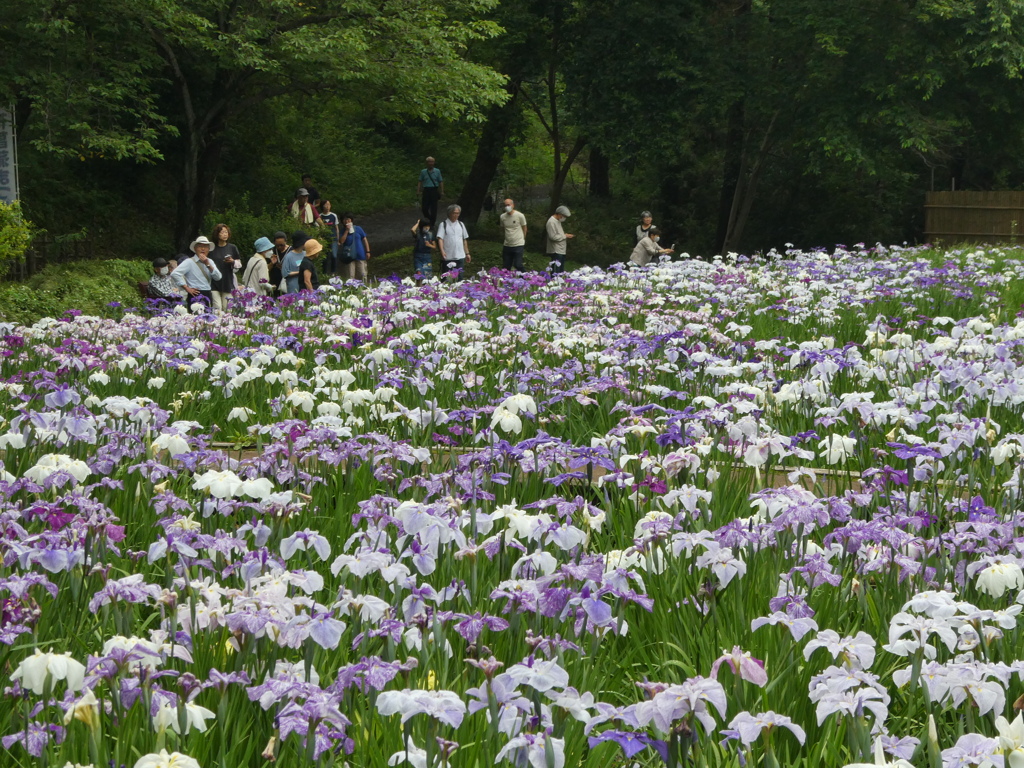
point(762, 512)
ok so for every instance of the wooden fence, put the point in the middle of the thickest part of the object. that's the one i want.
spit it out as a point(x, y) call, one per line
point(974, 217)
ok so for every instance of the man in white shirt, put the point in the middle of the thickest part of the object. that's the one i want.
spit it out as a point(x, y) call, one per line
point(453, 240)
point(514, 224)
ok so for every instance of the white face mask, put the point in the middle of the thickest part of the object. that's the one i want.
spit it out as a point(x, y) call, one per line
point(508, 209)
point(163, 271)
point(655, 239)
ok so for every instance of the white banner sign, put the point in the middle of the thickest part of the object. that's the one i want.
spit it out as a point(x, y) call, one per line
point(8, 158)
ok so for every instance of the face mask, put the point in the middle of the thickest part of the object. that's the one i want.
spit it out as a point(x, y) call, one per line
point(164, 271)
point(508, 209)
point(655, 239)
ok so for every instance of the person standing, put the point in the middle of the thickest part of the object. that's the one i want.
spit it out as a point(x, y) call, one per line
point(514, 225)
point(330, 221)
point(280, 244)
point(314, 193)
point(225, 255)
point(276, 258)
point(557, 239)
point(256, 277)
point(644, 227)
point(453, 240)
point(307, 271)
point(648, 248)
point(430, 189)
point(302, 211)
point(196, 274)
point(355, 248)
point(292, 259)
point(423, 251)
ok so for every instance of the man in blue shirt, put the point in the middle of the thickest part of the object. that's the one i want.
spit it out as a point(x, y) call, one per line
point(197, 274)
point(292, 259)
point(430, 189)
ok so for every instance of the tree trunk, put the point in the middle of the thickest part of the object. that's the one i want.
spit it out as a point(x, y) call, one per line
point(600, 185)
point(733, 170)
point(746, 190)
point(195, 194)
point(731, 173)
point(562, 172)
point(490, 151)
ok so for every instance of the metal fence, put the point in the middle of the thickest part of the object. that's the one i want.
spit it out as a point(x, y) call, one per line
point(46, 249)
point(974, 217)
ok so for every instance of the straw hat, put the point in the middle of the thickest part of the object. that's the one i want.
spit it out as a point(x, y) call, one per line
point(313, 247)
point(201, 240)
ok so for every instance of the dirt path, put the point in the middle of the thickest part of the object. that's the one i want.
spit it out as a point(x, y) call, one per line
point(389, 230)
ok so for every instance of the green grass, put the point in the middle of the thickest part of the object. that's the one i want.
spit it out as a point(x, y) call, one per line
point(89, 286)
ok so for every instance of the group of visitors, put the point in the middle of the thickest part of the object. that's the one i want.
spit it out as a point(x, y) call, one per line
point(275, 268)
point(210, 272)
point(279, 267)
point(452, 238)
point(349, 246)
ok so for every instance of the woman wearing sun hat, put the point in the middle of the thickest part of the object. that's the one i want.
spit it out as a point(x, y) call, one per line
point(257, 272)
point(197, 274)
point(307, 271)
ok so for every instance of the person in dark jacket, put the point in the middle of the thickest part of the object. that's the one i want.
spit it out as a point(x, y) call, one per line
point(423, 250)
point(228, 260)
point(307, 270)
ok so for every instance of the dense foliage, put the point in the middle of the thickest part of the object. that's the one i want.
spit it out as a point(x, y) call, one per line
point(15, 235)
point(79, 287)
point(744, 125)
point(167, 79)
point(702, 513)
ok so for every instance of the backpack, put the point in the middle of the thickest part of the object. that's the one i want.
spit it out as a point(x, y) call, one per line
point(445, 223)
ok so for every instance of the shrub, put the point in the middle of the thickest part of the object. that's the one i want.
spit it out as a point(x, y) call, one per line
point(15, 235)
point(93, 287)
point(247, 227)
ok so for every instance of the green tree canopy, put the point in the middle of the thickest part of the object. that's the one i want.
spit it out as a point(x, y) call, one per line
point(164, 78)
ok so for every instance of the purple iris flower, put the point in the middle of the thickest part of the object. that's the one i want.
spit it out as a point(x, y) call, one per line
point(631, 742)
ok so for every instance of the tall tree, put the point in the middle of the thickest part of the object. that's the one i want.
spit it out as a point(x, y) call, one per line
point(544, 95)
point(493, 140)
point(81, 82)
point(540, 36)
point(223, 59)
point(786, 89)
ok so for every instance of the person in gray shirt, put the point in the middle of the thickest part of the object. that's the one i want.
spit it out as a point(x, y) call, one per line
point(557, 239)
point(648, 249)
